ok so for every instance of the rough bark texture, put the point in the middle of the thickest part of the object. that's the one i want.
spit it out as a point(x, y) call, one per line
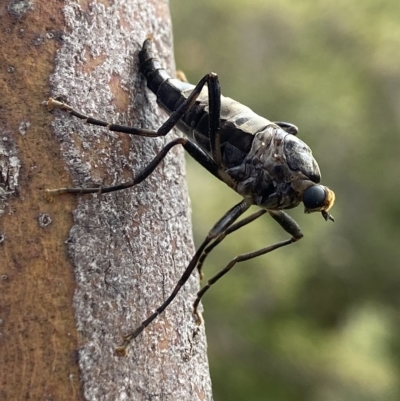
point(125, 251)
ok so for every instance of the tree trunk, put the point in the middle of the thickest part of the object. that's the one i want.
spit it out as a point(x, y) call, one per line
point(70, 288)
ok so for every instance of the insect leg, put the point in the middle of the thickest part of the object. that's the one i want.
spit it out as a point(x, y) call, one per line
point(162, 131)
point(142, 175)
point(230, 230)
point(214, 103)
point(55, 104)
point(233, 214)
point(193, 149)
point(285, 221)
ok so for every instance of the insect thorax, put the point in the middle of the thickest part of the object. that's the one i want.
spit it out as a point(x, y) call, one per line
point(276, 160)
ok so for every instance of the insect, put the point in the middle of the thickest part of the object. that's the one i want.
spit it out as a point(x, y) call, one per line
point(261, 160)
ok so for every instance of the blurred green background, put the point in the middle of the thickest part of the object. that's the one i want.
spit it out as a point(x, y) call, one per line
point(320, 319)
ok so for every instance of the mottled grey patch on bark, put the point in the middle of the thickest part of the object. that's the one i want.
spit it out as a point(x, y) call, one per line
point(10, 165)
point(19, 8)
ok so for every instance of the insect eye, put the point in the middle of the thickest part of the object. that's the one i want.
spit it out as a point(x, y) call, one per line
point(314, 197)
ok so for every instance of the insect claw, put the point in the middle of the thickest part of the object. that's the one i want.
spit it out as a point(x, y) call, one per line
point(201, 274)
point(121, 351)
point(48, 195)
point(51, 193)
point(55, 104)
point(198, 317)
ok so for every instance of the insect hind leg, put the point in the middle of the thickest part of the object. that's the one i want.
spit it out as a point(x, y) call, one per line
point(214, 104)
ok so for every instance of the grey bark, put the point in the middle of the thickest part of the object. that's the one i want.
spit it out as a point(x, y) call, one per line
point(128, 248)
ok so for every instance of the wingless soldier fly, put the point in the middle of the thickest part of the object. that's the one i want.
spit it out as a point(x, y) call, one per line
point(261, 160)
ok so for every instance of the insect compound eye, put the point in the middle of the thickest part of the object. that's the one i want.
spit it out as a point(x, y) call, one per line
point(314, 197)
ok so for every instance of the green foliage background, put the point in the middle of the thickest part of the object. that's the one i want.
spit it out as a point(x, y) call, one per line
point(318, 320)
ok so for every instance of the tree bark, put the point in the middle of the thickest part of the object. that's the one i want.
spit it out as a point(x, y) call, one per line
point(70, 288)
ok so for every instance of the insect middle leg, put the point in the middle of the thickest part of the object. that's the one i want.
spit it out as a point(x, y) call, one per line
point(194, 150)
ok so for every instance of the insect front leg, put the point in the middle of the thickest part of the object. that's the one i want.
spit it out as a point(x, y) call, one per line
point(285, 221)
point(226, 221)
point(230, 230)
